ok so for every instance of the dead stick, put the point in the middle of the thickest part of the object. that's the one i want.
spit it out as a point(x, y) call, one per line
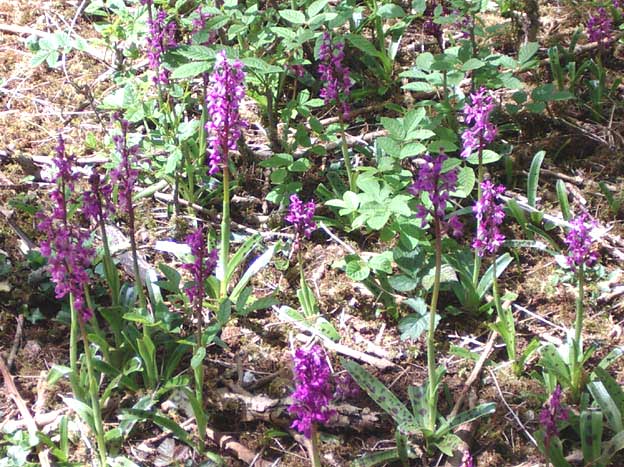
point(380, 363)
point(227, 443)
point(474, 374)
point(23, 408)
point(16, 341)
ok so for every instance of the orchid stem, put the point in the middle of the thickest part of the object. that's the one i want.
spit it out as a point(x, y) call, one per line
point(314, 439)
point(93, 391)
point(431, 365)
point(225, 230)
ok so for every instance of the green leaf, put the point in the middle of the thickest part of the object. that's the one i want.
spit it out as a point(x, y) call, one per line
point(172, 282)
point(466, 181)
point(487, 157)
point(533, 180)
point(607, 404)
point(198, 357)
point(363, 44)
point(479, 411)
point(300, 165)
point(316, 7)
point(472, 64)
point(294, 16)
point(390, 10)
point(83, 410)
point(357, 269)
point(260, 66)
point(381, 262)
point(240, 255)
point(609, 448)
point(418, 86)
point(527, 51)
point(591, 434)
point(552, 362)
point(57, 372)
point(196, 52)
point(447, 274)
point(277, 160)
point(403, 282)
point(394, 127)
point(190, 70)
point(614, 355)
point(562, 196)
point(448, 444)
point(327, 329)
point(379, 393)
point(377, 458)
point(488, 278)
point(412, 326)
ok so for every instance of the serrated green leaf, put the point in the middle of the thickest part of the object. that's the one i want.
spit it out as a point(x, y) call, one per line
point(277, 160)
point(487, 157)
point(196, 52)
point(293, 16)
point(472, 64)
point(413, 325)
point(316, 7)
point(391, 10)
point(466, 181)
point(190, 70)
point(403, 282)
point(527, 51)
point(357, 269)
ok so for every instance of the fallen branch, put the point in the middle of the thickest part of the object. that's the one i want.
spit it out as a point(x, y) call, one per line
point(380, 363)
point(476, 371)
point(169, 199)
point(14, 394)
point(228, 443)
point(274, 411)
point(351, 141)
point(16, 340)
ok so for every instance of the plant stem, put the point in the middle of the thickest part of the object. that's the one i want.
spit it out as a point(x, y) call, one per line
point(93, 390)
point(431, 365)
point(347, 157)
point(73, 350)
point(316, 455)
point(225, 229)
point(577, 364)
point(502, 316)
point(477, 261)
point(135, 258)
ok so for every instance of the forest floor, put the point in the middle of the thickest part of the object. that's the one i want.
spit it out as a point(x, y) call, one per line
point(37, 102)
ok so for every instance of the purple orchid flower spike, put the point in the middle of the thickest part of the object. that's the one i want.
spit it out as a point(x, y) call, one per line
point(65, 244)
point(334, 74)
point(490, 214)
point(480, 131)
point(580, 242)
point(224, 97)
point(313, 392)
point(438, 185)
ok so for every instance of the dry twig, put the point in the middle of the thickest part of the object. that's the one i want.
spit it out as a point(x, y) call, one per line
point(14, 394)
